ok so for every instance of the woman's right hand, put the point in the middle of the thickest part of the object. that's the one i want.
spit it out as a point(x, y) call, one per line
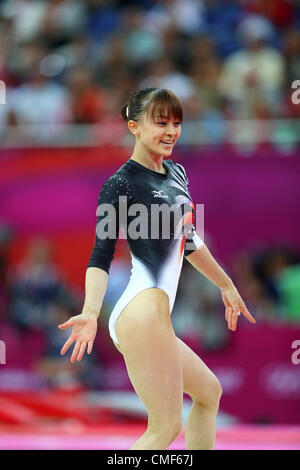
point(234, 307)
point(84, 329)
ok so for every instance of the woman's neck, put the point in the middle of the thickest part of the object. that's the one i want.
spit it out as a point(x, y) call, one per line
point(153, 162)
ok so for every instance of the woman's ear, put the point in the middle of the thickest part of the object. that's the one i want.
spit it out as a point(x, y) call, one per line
point(134, 128)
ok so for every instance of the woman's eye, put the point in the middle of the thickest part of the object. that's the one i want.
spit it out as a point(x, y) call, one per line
point(163, 123)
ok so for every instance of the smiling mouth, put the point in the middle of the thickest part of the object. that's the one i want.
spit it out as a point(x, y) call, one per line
point(167, 143)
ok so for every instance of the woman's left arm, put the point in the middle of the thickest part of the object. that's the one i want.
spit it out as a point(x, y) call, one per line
point(204, 262)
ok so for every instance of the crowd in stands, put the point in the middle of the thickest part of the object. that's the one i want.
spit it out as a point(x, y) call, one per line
point(75, 61)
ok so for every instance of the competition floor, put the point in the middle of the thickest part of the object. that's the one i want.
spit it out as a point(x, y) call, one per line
point(114, 421)
point(70, 436)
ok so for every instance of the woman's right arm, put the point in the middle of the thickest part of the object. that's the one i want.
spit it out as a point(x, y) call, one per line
point(84, 326)
point(96, 280)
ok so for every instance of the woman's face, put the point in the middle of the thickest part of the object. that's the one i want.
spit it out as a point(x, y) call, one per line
point(158, 137)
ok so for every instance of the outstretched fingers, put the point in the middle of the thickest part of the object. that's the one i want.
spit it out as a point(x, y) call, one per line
point(234, 319)
point(76, 350)
point(67, 344)
point(231, 317)
point(81, 351)
point(79, 348)
point(227, 309)
point(246, 313)
point(233, 308)
point(90, 347)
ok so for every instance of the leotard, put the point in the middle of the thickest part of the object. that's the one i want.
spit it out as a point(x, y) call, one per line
point(156, 260)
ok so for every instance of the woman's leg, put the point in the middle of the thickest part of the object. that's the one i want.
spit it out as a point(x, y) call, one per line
point(151, 354)
point(205, 390)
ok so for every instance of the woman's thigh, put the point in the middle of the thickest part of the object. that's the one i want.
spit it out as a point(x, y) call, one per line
point(198, 380)
point(151, 354)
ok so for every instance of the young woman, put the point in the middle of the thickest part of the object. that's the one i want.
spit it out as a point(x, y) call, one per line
point(160, 366)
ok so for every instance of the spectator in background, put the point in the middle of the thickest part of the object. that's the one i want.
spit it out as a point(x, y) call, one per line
point(291, 110)
point(33, 299)
point(111, 63)
point(26, 16)
point(111, 125)
point(205, 71)
point(206, 121)
point(54, 369)
point(291, 55)
point(197, 315)
point(6, 47)
point(254, 290)
point(280, 12)
point(41, 101)
point(265, 278)
point(187, 15)
point(162, 74)
point(79, 50)
point(62, 19)
point(103, 19)
point(139, 45)
point(24, 59)
point(36, 284)
point(287, 282)
point(87, 99)
point(255, 71)
point(176, 44)
point(178, 47)
point(269, 263)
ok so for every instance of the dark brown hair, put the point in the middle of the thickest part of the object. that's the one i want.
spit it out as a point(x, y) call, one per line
point(155, 102)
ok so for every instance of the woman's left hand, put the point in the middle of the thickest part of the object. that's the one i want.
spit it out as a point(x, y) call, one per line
point(234, 306)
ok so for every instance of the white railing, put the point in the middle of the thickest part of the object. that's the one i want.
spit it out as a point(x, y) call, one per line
point(281, 132)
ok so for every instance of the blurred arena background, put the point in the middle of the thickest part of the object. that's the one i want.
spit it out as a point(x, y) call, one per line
point(68, 66)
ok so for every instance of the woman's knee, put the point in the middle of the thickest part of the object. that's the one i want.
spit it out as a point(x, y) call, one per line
point(174, 430)
point(217, 388)
point(166, 416)
point(212, 397)
point(168, 428)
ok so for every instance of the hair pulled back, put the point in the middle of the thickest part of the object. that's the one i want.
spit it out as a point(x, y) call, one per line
point(155, 102)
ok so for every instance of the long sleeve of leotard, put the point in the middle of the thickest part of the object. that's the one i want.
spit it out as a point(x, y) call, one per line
point(193, 242)
point(108, 226)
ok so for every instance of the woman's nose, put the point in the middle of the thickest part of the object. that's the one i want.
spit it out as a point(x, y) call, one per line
point(171, 129)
